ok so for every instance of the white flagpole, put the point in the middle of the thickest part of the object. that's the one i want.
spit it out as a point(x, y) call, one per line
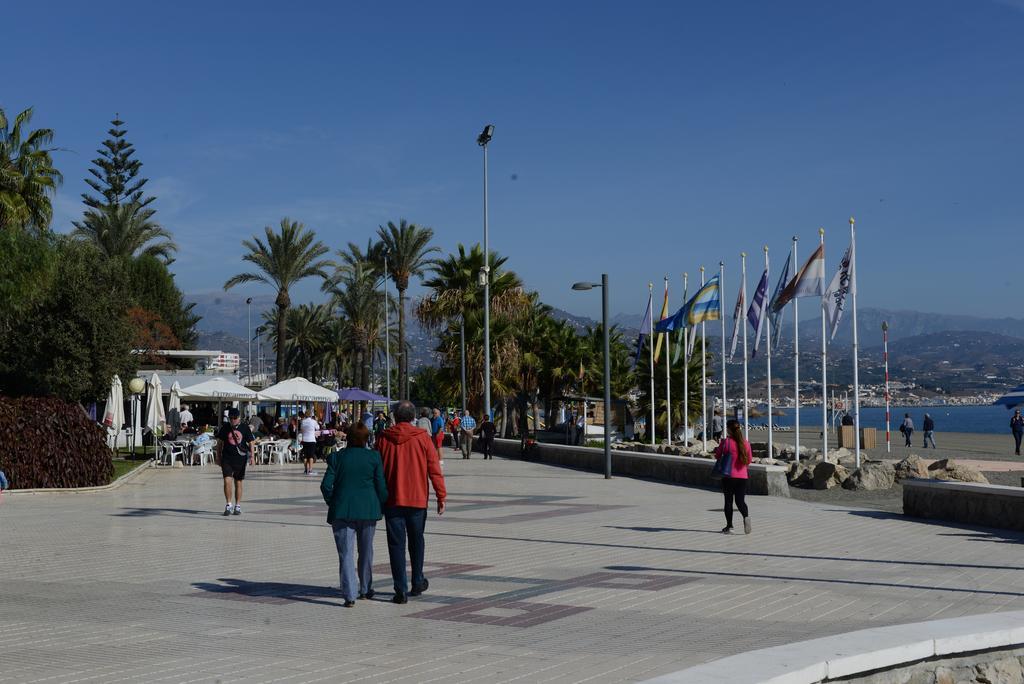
point(856, 378)
point(768, 348)
point(721, 291)
point(885, 359)
point(796, 361)
point(743, 322)
point(704, 374)
point(668, 377)
point(686, 376)
point(650, 345)
point(824, 360)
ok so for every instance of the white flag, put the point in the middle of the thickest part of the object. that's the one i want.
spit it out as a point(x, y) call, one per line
point(737, 321)
point(835, 295)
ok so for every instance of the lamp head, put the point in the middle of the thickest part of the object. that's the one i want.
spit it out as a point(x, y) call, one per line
point(136, 385)
point(885, 325)
point(485, 136)
point(583, 286)
point(248, 300)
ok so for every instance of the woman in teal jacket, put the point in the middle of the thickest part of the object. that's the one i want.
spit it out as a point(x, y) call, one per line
point(354, 490)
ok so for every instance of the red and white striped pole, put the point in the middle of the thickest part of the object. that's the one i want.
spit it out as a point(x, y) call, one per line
point(885, 360)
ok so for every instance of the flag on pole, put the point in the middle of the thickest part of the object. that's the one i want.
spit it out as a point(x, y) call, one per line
point(777, 313)
point(835, 295)
point(664, 315)
point(706, 305)
point(809, 280)
point(644, 327)
point(681, 340)
point(737, 321)
point(756, 312)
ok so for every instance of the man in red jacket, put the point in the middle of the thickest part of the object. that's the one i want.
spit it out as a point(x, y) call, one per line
point(410, 458)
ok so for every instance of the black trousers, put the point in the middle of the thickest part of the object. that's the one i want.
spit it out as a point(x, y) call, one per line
point(734, 488)
point(1017, 435)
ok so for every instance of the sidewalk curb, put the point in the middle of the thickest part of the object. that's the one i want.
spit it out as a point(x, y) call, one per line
point(131, 474)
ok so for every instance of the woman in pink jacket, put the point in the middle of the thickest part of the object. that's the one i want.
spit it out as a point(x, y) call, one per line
point(735, 447)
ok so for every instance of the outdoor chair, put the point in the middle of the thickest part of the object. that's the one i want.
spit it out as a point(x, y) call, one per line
point(203, 452)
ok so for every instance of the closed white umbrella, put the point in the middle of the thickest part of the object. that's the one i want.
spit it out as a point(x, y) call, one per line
point(155, 417)
point(175, 401)
point(113, 414)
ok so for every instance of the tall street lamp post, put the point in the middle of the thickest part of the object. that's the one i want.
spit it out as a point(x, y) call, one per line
point(462, 350)
point(248, 363)
point(485, 277)
point(607, 371)
point(387, 334)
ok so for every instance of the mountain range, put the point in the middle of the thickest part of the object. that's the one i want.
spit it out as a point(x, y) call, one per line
point(952, 351)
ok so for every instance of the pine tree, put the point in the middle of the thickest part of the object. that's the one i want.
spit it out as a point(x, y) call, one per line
point(116, 173)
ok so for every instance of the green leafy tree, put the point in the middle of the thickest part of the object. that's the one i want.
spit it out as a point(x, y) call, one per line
point(72, 342)
point(356, 299)
point(408, 255)
point(287, 257)
point(643, 381)
point(151, 285)
point(28, 179)
point(28, 267)
point(126, 231)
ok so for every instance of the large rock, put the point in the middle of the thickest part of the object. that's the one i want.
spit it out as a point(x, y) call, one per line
point(948, 469)
point(871, 476)
point(800, 475)
point(911, 466)
point(829, 475)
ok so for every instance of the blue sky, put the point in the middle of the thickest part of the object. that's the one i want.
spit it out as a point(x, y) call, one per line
point(637, 138)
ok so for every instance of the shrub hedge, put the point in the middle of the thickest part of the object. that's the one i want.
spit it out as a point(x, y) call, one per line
point(48, 442)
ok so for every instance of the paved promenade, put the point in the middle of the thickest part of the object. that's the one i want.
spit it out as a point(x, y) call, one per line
point(537, 574)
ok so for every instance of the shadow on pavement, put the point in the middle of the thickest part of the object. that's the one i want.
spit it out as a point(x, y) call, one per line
point(814, 580)
point(658, 529)
point(276, 592)
point(975, 532)
point(751, 554)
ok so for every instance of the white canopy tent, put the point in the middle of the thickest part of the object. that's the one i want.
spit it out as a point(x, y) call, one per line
point(298, 390)
point(218, 389)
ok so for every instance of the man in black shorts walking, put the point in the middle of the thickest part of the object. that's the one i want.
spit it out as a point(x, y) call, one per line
point(233, 442)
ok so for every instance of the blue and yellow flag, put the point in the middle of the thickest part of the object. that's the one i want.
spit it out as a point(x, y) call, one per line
point(706, 305)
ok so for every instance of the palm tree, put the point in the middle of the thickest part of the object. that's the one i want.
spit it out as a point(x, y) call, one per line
point(126, 230)
point(455, 293)
point(354, 294)
point(286, 257)
point(408, 251)
point(27, 175)
point(307, 336)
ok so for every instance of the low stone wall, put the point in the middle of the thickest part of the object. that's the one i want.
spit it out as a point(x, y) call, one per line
point(764, 479)
point(965, 502)
point(978, 648)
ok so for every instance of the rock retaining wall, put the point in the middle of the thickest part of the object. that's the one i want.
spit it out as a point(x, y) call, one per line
point(965, 502)
point(764, 479)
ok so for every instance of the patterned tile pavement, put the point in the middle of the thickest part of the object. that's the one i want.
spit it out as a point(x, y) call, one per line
point(538, 574)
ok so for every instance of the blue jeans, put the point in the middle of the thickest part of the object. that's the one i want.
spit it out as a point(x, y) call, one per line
point(405, 522)
point(929, 437)
point(350, 536)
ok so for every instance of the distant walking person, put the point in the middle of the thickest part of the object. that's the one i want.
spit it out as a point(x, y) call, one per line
point(907, 428)
point(307, 431)
point(736, 448)
point(467, 425)
point(424, 423)
point(581, 428)
point(487, 430)
point(233, 440)
point(1017, 426)
point(716, 426)
point(354, 490)
point(929, 431)
point(410, 459)
point(437, 431)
